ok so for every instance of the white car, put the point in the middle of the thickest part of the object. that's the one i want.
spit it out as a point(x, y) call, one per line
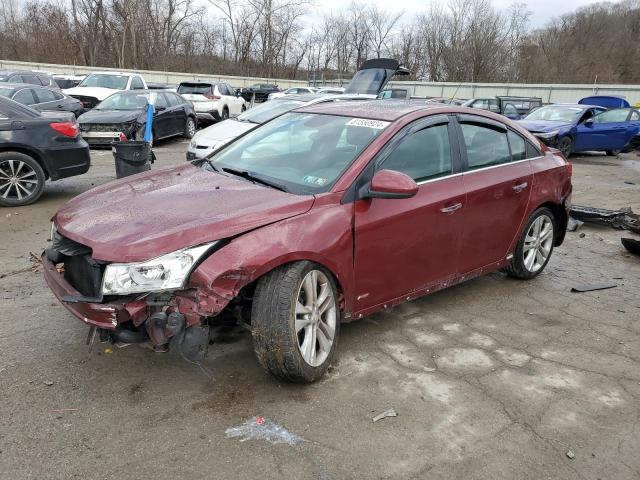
point(213, 101)
point(292, 91)
point(97, 86)
point(212, 138)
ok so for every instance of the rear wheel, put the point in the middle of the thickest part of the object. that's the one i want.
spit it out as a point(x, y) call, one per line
point(21, 179)
point(612, 153)
point(189, 128)
point(565, 145)
point(225, 113)
point(534, 248)
point(295, 321)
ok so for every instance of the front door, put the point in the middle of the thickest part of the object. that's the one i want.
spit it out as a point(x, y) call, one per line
point(407, 245)
point(605, 131)
point(498, 183)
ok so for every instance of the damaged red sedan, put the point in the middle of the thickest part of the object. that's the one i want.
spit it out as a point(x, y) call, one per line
point(318, 217)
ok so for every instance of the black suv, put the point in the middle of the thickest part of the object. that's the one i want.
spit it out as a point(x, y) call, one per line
point(35, 146)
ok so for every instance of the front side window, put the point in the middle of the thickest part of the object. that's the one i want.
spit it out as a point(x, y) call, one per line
point(485, 146)
point(509, 109)
point(612, 116)
point(25, 97)
point(422, 155)
point(45, 96)
point(114, 82)
point(482, 104)
point(303, 153)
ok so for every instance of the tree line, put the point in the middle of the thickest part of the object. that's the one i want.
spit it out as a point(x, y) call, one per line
point(460, 41)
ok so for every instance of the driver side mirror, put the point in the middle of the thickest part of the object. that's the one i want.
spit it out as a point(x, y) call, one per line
point(391, 184)
point(588, 122)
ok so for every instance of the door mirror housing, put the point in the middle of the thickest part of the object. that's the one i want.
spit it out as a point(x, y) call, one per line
point(588, 122)
point(392, 184)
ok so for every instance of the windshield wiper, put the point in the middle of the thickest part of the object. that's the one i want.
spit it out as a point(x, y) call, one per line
point(254, 178)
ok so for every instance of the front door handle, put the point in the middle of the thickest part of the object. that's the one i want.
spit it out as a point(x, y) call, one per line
point(520, 187)
point(451, 208)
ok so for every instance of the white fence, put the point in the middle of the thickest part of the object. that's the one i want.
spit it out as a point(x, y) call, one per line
point(548, 92)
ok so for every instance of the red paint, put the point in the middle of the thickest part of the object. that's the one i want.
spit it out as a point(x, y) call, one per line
point(381, 251)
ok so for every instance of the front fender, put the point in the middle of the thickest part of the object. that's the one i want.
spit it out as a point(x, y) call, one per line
point(322, 235)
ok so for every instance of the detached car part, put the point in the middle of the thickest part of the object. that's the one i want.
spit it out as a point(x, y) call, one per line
point(624, 219)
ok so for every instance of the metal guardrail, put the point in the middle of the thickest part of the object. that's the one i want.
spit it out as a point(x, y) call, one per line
point(551, 93)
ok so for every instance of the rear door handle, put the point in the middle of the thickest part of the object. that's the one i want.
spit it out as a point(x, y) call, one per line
point(451, 208)
point(520, 187)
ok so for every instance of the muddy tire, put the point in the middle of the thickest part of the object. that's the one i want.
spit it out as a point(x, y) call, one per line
point(21, 179)
point(295, 321)
point(535, 246)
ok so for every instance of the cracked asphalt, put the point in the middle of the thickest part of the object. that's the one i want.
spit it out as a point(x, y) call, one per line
point(491, 379)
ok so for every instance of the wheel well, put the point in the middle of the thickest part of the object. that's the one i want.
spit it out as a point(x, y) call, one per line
point(36, 156)
point(561, 218)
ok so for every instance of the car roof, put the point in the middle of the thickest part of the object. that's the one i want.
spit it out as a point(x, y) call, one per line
point(127, 74)
point(26, 85)
point(388, 110)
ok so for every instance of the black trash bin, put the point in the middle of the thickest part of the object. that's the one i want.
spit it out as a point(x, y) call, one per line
point(131, 157)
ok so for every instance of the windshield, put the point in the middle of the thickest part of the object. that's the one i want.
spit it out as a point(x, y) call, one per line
point(125, 101)
point(555, 113)
point(115, 82)
point(267, 111)
point(6, 92)
point(304, 153)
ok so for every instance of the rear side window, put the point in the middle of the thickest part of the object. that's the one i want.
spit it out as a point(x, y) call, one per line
point(44, 80)
point(32, 79)
point(635, 116)
point(423, 155)
point(45, 96)
point(174, 100)
point(485, 146)
point(518, 146)
point(25, 97)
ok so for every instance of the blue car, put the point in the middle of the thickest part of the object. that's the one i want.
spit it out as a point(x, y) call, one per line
point(575, 128)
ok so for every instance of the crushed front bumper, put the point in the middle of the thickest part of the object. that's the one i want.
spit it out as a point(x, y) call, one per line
point(101, 315)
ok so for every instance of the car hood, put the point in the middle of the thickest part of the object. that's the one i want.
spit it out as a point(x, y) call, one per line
point(222, 131)
point(541, 126)
point(109, 116)
point(98, 92)
point(150, 214)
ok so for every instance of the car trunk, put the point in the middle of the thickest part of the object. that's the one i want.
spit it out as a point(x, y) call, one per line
point(373, 75)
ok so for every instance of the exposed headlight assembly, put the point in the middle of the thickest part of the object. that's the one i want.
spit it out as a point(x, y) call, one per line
point(168, 272)
point(546, 135)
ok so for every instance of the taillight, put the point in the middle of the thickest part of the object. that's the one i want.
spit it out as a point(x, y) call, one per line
point(68, 129)
point(569, 167)
point(212, 97)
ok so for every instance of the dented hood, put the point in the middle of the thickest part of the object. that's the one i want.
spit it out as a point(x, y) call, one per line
point(150, 214)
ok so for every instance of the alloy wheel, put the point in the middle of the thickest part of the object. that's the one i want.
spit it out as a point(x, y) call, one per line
point(565, 146)
point(538, 243)
point(18, 181)
point(191, 127)
point(315, 318)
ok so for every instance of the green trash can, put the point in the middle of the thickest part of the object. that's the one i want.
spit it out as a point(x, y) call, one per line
point(131, 157)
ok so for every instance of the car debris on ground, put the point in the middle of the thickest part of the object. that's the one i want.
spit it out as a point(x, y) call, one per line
point(387, 413)
point(593, 286)
point(623, 219)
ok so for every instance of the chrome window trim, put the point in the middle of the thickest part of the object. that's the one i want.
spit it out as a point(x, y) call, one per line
point(423, 182)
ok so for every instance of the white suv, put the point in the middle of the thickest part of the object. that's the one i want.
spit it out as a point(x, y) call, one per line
point(97, 86)
point(212, 101)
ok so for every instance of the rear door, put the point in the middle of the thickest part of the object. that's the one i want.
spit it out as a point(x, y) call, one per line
point(25, 96)
point(47, 100)
point(178, 114)
point(497, 182)
point(411, 245)
point(162, 119)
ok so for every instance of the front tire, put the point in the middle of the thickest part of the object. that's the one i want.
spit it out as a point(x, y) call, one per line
point(612, 153)
point(565, 145)
point(295, 321)
point(21, 179)
point(225, 114)
point(535, 245)
point(189, 128)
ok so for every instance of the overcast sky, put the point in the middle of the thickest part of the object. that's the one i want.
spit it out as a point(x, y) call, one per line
point(542, 10)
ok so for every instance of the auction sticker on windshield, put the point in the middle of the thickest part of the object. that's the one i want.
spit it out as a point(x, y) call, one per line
point(365, 122)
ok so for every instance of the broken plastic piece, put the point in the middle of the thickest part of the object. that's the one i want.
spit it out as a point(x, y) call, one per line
point(261, 428)
point(574, 225)
point(593, 286)
point(623, 219)
point(631, 245)
point(387, 413)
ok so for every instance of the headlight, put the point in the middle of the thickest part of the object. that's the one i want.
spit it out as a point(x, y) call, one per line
point(167, 272)
point(194, 143)
point(546, 135)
